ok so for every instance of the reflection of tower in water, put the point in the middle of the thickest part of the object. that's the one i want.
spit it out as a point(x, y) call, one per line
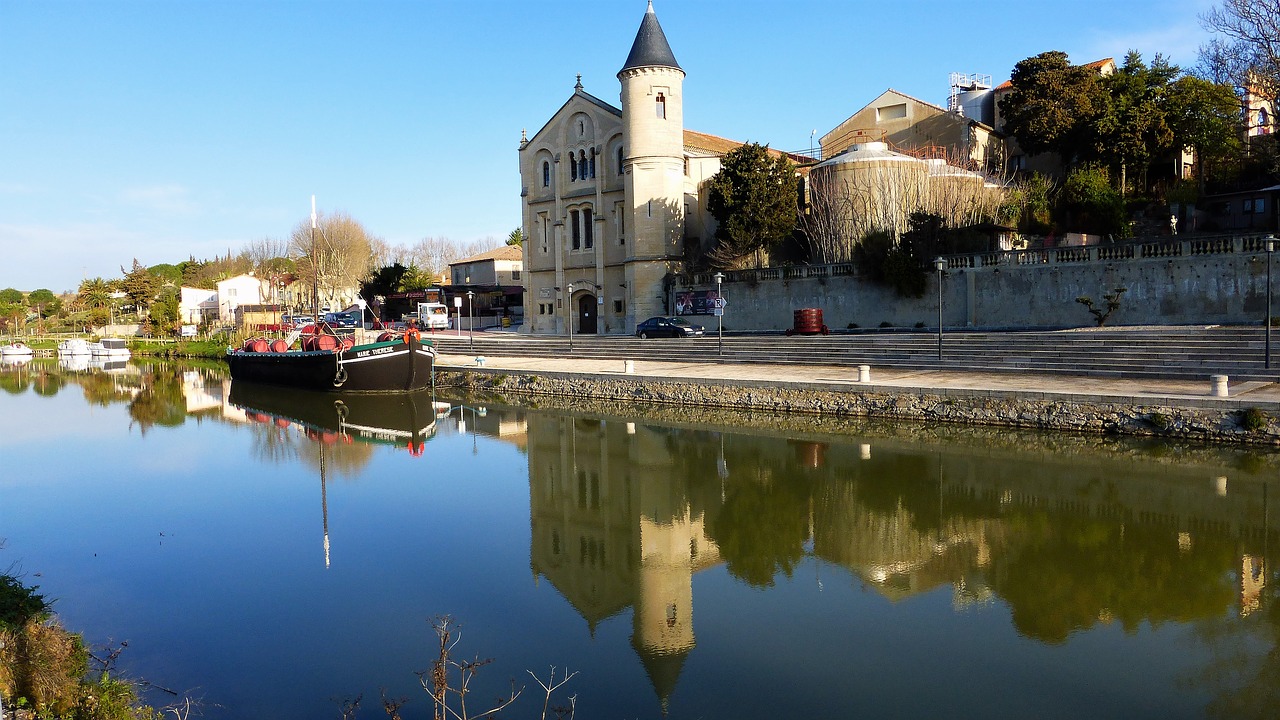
point(613, 527)
point(662, 622)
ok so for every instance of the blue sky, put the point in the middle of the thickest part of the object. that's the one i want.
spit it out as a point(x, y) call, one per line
point(161, 130)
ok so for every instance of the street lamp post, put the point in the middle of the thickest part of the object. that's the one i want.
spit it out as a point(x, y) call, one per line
point(1270, 243)
point(939, 264)
point(568, 313)
point(471, 319)
point(719, 278)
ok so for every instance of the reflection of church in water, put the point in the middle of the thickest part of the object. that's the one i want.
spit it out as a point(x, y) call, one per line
point(613, 527)
point(623, 515)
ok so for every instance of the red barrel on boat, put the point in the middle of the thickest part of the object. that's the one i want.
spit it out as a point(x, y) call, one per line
point(319, 342)
point(278, 345)
point(255, 345)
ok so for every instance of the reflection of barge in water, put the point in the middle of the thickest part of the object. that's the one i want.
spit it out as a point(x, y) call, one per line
point(404, 419)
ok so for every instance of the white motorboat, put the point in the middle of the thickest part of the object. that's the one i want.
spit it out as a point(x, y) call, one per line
point(16, 349)
point(74, 346)
point(109, 348)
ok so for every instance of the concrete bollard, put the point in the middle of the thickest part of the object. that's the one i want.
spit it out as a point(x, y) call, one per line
point(628, 366)
point(1219, 383)
point(864, 373)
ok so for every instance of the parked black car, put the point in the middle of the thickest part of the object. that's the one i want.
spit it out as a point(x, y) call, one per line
point(668, 327)
point(343, 319)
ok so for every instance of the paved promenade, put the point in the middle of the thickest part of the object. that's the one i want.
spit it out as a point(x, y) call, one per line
point(1023, 385)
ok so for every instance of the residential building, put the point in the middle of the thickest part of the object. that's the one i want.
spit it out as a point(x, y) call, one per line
point(500, 266)
point(925, 130)
point(496, 280)
point(197, 305)
point(236, 291)
point(1253, 210)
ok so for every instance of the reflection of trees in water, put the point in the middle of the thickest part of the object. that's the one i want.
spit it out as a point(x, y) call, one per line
point(279, 441)
point(340, 455)
point(48, 382)
point(1062, 573)
point(101, 389)
point(161, 399)
point(763, 523)
point(274, 444)
point(1059, 572)
point(15, 378)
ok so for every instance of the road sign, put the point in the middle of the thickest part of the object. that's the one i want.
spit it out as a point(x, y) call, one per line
point(720, 304)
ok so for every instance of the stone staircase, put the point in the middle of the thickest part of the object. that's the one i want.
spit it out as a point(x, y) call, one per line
point(1161, 352)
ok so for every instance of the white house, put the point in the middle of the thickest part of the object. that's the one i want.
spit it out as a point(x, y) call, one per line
point(197, 305)
point(236, 291)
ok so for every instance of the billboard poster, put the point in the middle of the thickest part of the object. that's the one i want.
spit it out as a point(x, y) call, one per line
point(696, 302)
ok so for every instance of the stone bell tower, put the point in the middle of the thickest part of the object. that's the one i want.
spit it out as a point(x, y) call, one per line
point(653, 134)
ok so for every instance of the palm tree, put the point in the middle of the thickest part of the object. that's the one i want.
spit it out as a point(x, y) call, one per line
point(93, 294)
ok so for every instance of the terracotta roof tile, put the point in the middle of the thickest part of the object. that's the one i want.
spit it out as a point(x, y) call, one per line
point(704, 142)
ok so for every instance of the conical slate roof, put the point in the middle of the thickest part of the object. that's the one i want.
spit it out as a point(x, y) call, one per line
point(650, 48)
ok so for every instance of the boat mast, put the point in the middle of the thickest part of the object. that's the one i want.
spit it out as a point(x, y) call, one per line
point(315, 269)
point(324, 507)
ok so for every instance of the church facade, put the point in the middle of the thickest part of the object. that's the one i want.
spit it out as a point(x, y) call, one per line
point(610, 198)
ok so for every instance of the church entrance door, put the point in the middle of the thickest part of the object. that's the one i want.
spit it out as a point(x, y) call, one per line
point(587, 315)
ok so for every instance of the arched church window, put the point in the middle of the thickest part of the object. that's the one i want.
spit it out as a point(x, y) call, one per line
point(591, 164)
point(619, 159)
point(662, 106)
point(573, 167)
point(582, 163)
point(546, 174)
point(588, 230)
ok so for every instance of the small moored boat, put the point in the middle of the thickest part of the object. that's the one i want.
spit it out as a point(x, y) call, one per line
point(16, 349)
point(110, 348)
point(74, 346)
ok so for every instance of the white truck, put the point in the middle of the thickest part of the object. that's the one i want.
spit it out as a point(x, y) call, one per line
point(433, 316)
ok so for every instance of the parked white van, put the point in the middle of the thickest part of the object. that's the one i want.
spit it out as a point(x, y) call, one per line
point(433, 316)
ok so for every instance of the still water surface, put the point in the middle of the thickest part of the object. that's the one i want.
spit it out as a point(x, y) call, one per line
point(274, 555)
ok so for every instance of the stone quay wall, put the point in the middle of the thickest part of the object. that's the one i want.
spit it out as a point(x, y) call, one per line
point(1201, 280)
point(1203, 420)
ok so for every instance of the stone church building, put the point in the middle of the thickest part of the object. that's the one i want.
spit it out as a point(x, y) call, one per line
point(611, 197)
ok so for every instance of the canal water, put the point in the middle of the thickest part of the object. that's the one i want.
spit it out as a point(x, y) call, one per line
point(278, 555)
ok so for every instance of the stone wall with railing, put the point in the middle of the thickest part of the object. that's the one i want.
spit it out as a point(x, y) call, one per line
point(1203, 279)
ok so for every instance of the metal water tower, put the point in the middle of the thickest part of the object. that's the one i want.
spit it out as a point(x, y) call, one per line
point(971, 96)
